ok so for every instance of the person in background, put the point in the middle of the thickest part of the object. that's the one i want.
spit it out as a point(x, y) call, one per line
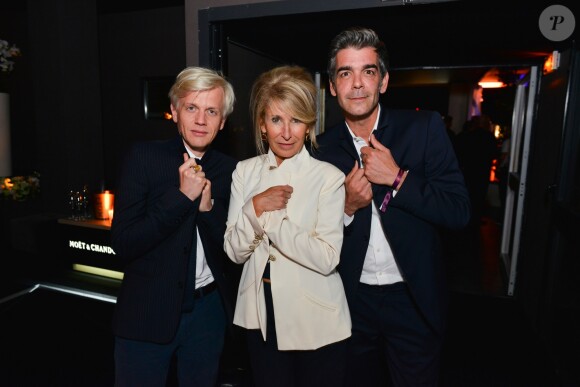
point(448, 121)
point(170, 213)
point(476, 148)
point(402, 184)
point(285, 225)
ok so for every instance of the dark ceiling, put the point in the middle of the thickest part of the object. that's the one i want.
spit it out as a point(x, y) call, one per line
point(458, 41)
point(455, 33)
point(104, 6)
point(452, 33)
point(114, 6)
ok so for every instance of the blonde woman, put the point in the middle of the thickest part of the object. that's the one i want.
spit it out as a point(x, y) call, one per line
point(285, 224)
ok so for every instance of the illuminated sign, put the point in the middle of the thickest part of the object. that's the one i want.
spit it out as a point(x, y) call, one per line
point(86, 247)
point(90, 247)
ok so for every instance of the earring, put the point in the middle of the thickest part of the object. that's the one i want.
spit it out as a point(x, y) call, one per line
point(264, 138)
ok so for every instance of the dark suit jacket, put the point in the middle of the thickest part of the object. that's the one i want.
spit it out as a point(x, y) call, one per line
point(153, 233)
point(432, 195)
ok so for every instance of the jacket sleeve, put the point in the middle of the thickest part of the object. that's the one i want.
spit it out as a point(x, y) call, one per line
point(243, 228)
point(145, 215)
point(213, 222)
point(317, 249)
point(435, 191)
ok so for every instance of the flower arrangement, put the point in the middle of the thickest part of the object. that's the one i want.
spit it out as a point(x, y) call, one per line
point(20, 188)
point(6, 52)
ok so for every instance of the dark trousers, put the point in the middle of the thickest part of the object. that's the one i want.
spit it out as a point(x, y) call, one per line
point(323, 367)
point(391, 342)
point(197, 346)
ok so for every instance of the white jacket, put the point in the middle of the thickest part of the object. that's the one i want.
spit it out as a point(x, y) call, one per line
point(303, 244)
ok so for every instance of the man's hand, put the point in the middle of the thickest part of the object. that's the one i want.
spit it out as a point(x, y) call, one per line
point(272, 199)
point(380, 167)
point(358, 190)
point(205, 203)
point(191, 182)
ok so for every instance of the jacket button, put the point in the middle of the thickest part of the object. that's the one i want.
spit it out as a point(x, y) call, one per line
point(271, 257)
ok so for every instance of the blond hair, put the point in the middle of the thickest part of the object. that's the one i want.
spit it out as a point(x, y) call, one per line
point(293, 88)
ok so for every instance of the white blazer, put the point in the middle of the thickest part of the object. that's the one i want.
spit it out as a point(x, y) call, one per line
point(303, 244)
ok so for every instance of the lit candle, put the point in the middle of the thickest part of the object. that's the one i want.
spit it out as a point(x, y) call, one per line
point(104, 203)
point(108, 201)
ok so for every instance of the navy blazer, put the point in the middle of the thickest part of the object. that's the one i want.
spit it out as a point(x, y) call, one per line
point(433, 195)
point(153, 233)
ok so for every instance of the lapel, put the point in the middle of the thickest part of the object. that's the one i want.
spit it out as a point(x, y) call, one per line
point(207, 161)
point(176, 151)
point(345, 142)
point(384, 134)
point(172, 159)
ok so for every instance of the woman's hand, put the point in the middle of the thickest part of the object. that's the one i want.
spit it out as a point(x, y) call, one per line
point(272, 199)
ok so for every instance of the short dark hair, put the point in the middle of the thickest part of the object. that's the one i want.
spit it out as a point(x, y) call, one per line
point(357, 37)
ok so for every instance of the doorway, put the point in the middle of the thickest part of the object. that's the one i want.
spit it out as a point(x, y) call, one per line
point(480, 259)
point(432, 68)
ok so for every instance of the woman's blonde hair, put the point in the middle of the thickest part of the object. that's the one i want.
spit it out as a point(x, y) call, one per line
point(293, 89)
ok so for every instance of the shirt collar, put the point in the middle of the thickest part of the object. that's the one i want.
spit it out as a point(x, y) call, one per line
point(358, 141)
point(189, 151)
point(291, 164)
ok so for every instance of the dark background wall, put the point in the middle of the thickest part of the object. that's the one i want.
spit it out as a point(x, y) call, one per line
point(134, 47)
point(76, 91)
point(65, 99)
point(14, 29)
point(77, 101)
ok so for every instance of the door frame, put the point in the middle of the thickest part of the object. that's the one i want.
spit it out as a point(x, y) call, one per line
point(522, 119)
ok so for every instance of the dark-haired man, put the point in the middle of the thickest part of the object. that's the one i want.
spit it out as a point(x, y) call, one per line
point(402, 183)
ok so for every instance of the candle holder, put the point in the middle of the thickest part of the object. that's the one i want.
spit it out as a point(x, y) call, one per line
point(104, 201)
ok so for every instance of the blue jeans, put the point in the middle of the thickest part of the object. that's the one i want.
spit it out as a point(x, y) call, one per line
point(197, 345)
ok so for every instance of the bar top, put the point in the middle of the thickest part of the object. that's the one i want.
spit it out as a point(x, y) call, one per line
point(89, 223)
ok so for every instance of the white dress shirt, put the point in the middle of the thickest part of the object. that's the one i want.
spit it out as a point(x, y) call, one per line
point(380, 267)
point(203, 275)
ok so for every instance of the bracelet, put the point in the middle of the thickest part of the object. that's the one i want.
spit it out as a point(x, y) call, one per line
point(386, 200)
point(398, 178)
point(389, 194)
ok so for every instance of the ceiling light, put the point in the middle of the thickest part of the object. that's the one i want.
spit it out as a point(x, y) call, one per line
point(491, 79)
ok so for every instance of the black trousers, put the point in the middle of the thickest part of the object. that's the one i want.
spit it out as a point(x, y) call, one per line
point(197, 347)
point(271, 367)
point(391, 343)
